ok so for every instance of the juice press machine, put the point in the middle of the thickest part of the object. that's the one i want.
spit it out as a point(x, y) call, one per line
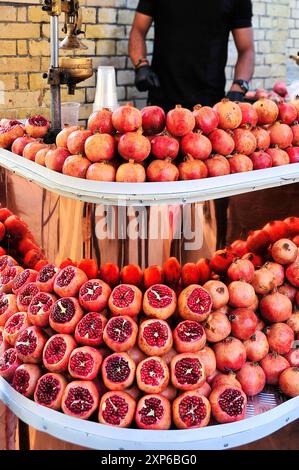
point(65, 70)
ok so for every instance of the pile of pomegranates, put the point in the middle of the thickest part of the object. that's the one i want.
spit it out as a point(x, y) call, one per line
point(171, 345)
point(129, 145)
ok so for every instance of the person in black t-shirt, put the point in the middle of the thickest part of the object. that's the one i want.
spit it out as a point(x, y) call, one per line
point(190, 50)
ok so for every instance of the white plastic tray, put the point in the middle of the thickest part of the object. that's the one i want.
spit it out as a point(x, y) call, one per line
point(101, 437)
point(145, 194)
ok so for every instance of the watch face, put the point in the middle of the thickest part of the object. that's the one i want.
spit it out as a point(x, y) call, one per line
point(243, 84)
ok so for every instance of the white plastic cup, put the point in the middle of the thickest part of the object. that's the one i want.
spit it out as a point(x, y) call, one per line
point(106, 96)
point(70, 114)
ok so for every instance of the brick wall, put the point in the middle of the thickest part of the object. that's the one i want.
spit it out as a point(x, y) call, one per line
point(24, 50)
point(293, 40)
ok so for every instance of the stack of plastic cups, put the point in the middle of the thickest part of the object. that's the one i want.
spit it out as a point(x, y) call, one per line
point(106, 96)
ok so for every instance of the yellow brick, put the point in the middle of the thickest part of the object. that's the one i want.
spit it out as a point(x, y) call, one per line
point(7, 82)
point(23, 113)
point(8, 13)
point(90, 51)
point(20, 99)
point(105, 31)
point(19, 31)
point(36, 81)
point(22, 47)
point(39, 48)
point(79, 95)
point(22, 14)
point(36, 14)
point(105, 47)
point(23, 81)
point(89, 15)
point(8, 47)
point(46, 30)
point(107, 15)
point(18, 64)
point(8, 114)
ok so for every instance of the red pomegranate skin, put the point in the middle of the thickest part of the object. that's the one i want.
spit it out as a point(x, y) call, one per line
point(222, 142)
point(217, 165)
point(165, 146)
point(196, 145)
point(281, 135)
point(153, 120)
point(134, 146)
point(162, 171)
point(180, 121)
point(192, 169)
point(261, 160)
point(206, 118)
point(249, 114)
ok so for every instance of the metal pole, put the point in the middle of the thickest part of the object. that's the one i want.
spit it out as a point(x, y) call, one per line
point(55, 89)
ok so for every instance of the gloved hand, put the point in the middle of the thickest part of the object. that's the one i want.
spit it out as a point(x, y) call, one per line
point(146, 79)
point(235, 96)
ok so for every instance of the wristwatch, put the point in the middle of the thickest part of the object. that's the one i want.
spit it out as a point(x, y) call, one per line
point(243, 84)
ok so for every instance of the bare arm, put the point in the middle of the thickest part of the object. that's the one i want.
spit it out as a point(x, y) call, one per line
point(137, 44)
point(244, 68)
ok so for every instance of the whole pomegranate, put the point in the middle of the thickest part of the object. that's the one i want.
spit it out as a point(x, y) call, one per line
point(280, 338)
point(262, 138)
point(134, 146)
point(99, 147)
point(245, 141)
point(293, 153)
point(287, 113)
point(281, 135)
point(217, 165)
point(130, 172)
point(239, 163)
point(241, 294)
point(20, 143)
point(101, 121)
point(249, 114)
point(196, 145)
point(279, 156)
point(229, 113)
point(191, 169)
point(263, 281)
point(289, 382)
point(284, 251)
point(243, 323)
point(276, 307)
point(61, 138)
point(126, 119)
point(267, 111)
point(218, 292)
point(222, 142)
point(252, 378)
point(101, 171)
point(261, 160)
point(273, 365)
point(76, 141)
point(161, 171)
point(295, 131)
point(241, 270)
point(180, 121)
point(76, 166)
point(217, 327)
point(31, 149)
point(55, 158)
point(206, 119)
point(165, 146)
point(292, 274)
point(257, 346)
point(230, 354)
point(153, 120)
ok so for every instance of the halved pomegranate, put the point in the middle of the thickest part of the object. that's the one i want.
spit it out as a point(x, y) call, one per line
point(57, 352)
point(152, 375)
point(25, 379)
point(39, 309)
point(6, 261)
point(189, 336)
point(9, 362)
point(191, 410)
point(25, 277)
point(155, 337)
point(37, 126)
point(85, 363)
point(45, 277)
point(194, 303)
point(187, 371)
point(64, 315)
point(25, 295)
point(30, 344)
point(120, 333)
point(159, 301)
point(14, 325)
point(117, 409)
point(49, 390)
point(3, 343)
point(125, 299)
point(68, 281)
point(8, 306)
point(153, 412)
point(118, 371)
point(89, 330)
point(94, 295)
point(7, 278)
point(228, 404)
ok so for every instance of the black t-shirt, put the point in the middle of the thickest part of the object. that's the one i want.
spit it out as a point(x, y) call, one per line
point(190, 47)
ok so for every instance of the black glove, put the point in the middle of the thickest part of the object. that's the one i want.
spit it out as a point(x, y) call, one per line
point(146, 79)
point(235, 96)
